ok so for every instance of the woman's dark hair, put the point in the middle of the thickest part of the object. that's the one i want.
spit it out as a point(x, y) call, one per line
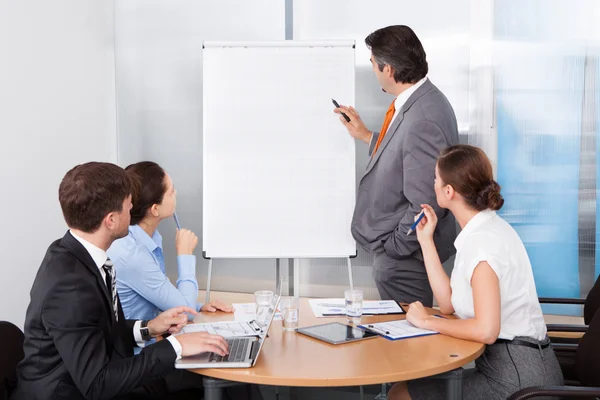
point(148, 188)
point(399, 47)
point(468, 170)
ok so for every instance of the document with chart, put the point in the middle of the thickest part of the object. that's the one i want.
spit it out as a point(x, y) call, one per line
point(226, 329)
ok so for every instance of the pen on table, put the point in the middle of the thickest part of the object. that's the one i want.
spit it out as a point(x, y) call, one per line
point(338, 305)
point(419, 218)
point(176, 221)
point(335, 103)
point(377, 330)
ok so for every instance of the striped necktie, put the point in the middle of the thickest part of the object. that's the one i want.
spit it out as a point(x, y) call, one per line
point(111, 284)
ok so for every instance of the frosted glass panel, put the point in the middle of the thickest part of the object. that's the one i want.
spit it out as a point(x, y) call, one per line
point(546, 113)
point(159, 96)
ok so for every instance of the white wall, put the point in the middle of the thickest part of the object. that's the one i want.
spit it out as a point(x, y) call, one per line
point(57, 109)
point(159, 99)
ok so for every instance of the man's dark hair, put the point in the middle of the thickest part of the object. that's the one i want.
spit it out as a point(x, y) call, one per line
point(149, 188)
point(88, 192)
point(400, 48)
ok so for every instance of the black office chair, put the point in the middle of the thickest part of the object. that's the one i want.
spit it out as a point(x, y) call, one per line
point(11, 349)
point(563, 346)
point(591, 303)
point(587, 359)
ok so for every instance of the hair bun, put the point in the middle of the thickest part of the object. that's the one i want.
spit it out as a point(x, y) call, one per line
point(489, 197)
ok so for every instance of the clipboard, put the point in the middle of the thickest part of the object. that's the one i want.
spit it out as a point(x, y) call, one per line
point(337, 308)
point(397, 330)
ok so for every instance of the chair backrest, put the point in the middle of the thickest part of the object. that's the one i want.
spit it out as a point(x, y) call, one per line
point(588, 355)
point(592, 303)
point(11, 348)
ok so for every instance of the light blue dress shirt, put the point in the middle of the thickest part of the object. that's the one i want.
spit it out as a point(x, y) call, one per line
point(143, 286)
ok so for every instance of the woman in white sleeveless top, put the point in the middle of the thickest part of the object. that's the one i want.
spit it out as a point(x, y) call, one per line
point(491, 289)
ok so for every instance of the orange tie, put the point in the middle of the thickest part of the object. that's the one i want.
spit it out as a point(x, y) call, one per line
point(389, 115)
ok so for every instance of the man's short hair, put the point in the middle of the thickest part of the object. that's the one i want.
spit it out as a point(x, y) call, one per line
point(90, 191)
point(399, 47)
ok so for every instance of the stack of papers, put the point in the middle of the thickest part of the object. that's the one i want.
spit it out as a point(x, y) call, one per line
point(395, 330)
point(337, 307)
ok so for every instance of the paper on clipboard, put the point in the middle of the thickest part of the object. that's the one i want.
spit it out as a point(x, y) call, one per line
point(395, 330)
point(337, 307)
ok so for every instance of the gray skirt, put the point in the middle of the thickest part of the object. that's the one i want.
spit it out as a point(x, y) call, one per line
point(500, 371)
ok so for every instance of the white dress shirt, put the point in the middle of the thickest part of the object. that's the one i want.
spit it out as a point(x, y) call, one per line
point(99, 256)
point(487, 237)
point(401, 100)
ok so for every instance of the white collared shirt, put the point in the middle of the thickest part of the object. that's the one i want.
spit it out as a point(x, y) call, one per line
point(487, 237)
point(401, 100)
point(99, 256)
point(403, 97)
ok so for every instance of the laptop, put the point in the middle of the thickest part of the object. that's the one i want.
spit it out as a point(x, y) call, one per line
point(243, 351)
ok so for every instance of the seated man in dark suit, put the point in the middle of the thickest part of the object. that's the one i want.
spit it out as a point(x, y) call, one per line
point(78, 344)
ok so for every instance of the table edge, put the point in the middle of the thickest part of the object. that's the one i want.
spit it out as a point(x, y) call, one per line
point(239, 376)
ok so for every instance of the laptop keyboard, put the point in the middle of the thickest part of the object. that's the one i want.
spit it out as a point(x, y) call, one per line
point(237, 351)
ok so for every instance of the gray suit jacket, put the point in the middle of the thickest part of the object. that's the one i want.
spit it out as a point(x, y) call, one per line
point(400, 177)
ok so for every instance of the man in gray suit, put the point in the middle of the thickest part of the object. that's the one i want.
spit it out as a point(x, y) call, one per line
point(401, 171)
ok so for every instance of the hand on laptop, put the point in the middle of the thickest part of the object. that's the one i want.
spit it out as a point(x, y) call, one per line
point(202, 342)
point(217, 305)
point(172, 321)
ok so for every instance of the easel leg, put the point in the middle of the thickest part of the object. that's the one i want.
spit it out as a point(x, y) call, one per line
point(296, 277)
point(350, 274)
point(210, 264)
point(278, 273)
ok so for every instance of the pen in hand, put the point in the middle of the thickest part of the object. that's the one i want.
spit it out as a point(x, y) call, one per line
point(419, 218)
point(176, 221)
point(335, 103)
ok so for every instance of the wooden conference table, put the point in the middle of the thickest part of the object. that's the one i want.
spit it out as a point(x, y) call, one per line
point(292, 359)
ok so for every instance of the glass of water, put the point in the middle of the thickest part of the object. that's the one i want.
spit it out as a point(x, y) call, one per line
point(264, 301)
point(354, 305)
point(289, 312)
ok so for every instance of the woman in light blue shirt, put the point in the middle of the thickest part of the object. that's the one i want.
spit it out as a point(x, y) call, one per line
point(142, 283)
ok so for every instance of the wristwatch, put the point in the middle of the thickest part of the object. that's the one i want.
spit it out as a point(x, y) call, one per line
point(144, 331)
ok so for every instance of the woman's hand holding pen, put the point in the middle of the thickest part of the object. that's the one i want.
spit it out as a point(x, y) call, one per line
point(426, 227)
point(185, 242)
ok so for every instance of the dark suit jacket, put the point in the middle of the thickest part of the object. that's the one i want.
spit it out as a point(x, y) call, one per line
point(74, 348)
point(399, 178)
